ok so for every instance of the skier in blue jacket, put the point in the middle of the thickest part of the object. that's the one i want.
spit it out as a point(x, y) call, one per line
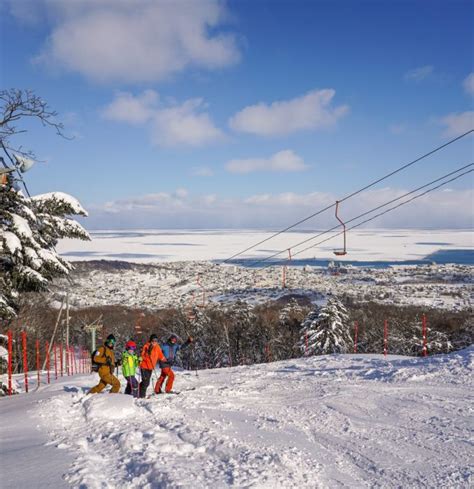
point(169, 349)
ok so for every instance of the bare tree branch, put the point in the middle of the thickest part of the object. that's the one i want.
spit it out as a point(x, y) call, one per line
point(16, 104)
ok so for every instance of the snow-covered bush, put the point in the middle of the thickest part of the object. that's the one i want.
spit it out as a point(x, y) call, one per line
point(326, 330)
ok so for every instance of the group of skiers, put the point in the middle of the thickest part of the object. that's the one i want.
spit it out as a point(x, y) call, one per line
point(153, 353)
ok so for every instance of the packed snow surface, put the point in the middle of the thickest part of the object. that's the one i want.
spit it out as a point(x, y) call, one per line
point(320, 422)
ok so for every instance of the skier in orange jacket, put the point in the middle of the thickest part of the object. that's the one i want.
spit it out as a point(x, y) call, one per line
point(151, 354)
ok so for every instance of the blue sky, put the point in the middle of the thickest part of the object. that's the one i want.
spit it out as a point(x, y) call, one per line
point(245, 114)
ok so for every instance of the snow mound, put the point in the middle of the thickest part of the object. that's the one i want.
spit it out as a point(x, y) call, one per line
point(109, 408)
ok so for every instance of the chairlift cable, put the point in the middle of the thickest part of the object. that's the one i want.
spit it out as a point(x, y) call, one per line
point(391, 209)
point(352, 194)
point(255, 262)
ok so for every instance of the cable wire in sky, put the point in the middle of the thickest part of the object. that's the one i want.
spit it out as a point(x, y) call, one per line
point(352, 194)
point(255, 262)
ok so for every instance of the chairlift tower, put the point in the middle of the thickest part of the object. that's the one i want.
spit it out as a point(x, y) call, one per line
point(92, 328)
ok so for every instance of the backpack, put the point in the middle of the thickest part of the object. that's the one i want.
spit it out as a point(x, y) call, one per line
point(94, 365)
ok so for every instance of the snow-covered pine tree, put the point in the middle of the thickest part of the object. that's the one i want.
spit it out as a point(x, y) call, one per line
point(436, 342)
point(209, 347)
point(29, 232)
point(325, 330)
point(245, 343)
point(30, 227)
point(292, 312)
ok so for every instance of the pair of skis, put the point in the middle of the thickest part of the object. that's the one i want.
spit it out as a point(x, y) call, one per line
point(172, 392)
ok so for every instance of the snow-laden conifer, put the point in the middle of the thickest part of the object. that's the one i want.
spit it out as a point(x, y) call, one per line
point(30, 227)
point(436, 342)
point(242, 333)
point(326, 330)
point(291, 312)
point(29, 232)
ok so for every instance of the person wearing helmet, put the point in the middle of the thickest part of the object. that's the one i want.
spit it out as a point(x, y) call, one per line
point(105, 358)
point(169, 349)
point(130, 363)
point(151, 354)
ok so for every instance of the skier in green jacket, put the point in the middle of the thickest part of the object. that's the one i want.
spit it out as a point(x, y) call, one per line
point(130, 362)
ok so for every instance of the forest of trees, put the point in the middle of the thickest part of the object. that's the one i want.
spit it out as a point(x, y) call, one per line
point(241, 334)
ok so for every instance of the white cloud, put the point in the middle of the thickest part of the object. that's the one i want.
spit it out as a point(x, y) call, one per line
point(202, 171)
point(419, 74)
point(209, 199)
point(468, 84)
point(283, 161)
point(173, 125)
point(135, 110)
point(181, 193)
point(439, 209)
point(310, 111)
point(132, 41)
point(184, 124)
point(458, 123)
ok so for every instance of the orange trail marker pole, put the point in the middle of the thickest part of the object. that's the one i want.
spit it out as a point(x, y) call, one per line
point(425, 345)
point(25, 358)
point(356, 333)
point(10, 361)
point(37, 345)
point(48, 362)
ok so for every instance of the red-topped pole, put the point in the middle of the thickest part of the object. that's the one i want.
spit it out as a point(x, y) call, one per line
point(423, 328)
point(68, 365)
point(37, 345)
point(25, 358)
point(48, 362)
point(61, 359)
point(73, 360)
point(356, 333)
point(55, 348)
point(10, 361)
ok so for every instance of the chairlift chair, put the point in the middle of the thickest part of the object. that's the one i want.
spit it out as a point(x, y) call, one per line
point(343, 251)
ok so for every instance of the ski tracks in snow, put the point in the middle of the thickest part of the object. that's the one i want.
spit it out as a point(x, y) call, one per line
point(331, 421)
point(167, 441)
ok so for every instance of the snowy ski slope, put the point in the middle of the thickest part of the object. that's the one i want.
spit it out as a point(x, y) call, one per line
point(324, 422)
